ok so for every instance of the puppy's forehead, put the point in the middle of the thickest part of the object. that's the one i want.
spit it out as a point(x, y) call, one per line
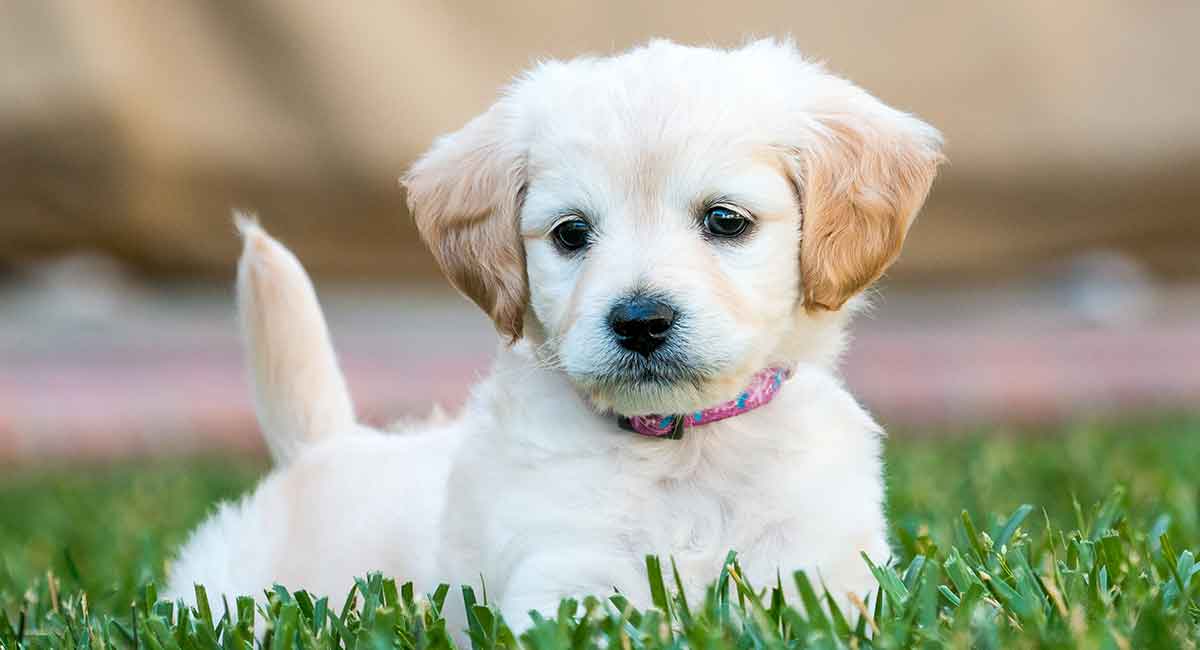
point(665, 123)
point(663, 96)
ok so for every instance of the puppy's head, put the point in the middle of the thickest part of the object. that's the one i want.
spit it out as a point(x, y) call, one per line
point(665, 223)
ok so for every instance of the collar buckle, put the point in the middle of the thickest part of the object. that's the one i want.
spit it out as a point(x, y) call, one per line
point(675, 432)
point(676, 428)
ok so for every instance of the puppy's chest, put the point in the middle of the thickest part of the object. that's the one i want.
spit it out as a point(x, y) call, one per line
point(696, 515)
point(693, 503)
point(701, 519)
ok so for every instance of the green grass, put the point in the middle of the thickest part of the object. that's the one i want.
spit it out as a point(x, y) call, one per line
point(1083, 537)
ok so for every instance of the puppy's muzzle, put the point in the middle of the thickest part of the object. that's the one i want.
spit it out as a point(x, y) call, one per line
point(641, 323)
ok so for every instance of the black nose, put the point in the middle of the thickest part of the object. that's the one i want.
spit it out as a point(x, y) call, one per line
point(641, 323)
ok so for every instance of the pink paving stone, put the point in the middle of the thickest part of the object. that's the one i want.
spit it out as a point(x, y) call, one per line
point(112, 396)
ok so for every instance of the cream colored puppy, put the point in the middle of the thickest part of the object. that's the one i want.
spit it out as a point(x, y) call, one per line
point(670, 241)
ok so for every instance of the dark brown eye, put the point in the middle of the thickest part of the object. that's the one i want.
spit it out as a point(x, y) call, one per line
point(572, 234)
point(720, 221)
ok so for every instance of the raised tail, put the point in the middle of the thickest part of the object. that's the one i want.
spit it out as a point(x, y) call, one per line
point(299, 392)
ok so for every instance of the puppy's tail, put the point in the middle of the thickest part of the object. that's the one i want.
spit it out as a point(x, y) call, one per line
point(299, 392)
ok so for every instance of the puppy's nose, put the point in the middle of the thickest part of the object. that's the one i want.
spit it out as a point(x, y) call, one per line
point(641, 323)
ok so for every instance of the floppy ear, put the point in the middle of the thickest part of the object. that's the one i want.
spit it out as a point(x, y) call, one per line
point(465, 194)
point(862, 179)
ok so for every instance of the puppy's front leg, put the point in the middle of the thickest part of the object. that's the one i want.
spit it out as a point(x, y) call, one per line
point(541, 582)
point(833, 563)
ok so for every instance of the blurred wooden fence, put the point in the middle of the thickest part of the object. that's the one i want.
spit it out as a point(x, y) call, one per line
point(132, 128)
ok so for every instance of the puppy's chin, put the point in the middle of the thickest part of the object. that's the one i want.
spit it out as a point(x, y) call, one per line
point(639, 398)
point(644, 388)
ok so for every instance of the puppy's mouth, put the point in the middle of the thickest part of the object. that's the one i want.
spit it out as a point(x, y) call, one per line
point(644, 382)
point(637, 371)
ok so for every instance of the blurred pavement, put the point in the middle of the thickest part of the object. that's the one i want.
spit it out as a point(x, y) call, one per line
point(107, 369)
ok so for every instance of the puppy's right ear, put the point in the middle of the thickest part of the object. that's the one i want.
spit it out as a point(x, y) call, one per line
point(465, 195)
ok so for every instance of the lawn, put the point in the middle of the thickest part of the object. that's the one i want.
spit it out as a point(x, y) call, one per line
point(1102, 558)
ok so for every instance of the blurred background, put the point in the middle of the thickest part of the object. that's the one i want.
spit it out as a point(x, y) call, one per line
point(1053, 275)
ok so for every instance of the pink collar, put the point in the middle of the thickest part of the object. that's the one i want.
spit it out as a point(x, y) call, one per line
point(763, 387)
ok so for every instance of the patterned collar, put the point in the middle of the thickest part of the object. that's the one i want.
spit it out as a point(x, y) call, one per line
point(763, 387)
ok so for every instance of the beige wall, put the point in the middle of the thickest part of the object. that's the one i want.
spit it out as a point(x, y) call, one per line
point(133, 127)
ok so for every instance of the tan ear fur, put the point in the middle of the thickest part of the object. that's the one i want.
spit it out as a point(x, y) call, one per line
point(862, 184)
point(465, 195)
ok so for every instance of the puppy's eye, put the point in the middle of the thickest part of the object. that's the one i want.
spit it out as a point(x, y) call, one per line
point(572, 234)
point(725, 222)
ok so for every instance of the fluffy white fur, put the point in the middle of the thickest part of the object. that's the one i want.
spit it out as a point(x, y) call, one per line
point(532, 486)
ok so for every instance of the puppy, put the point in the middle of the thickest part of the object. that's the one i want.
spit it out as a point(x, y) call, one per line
point(670, 242)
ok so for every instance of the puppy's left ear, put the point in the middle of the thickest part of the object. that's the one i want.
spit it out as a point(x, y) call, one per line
point(863, 177)
point(465, 195)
